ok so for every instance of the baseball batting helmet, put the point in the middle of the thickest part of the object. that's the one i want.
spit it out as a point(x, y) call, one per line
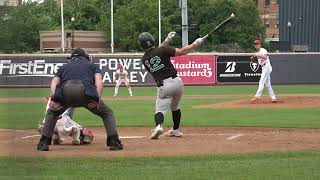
point(146, 40)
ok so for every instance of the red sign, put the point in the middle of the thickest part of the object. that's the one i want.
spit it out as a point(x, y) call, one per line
point(196, 69)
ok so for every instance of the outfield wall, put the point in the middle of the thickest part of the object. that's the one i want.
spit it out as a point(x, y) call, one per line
point(24, 70)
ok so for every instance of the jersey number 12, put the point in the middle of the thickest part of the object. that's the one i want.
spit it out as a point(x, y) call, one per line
point(154, 64)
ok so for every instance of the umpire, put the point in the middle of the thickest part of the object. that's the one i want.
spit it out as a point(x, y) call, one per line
point(170, 86)
point(78, 84)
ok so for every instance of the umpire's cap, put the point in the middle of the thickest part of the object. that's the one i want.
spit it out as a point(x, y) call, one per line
point(78, 52)
point(146, 40)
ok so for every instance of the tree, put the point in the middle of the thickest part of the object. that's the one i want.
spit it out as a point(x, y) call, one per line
point(20, 28)
point(87, 14)
point(135, 16)
point(20, 25)
point(245, 28)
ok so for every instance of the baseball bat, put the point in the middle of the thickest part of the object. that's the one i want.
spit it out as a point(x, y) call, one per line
point(226, 21)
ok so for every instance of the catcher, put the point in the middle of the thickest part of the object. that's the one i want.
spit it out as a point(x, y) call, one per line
point(67, 127)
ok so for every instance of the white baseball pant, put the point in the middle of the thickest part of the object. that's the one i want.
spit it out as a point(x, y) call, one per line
point(265, 80)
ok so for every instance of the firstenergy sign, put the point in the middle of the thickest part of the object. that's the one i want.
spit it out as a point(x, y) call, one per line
point(30, 68)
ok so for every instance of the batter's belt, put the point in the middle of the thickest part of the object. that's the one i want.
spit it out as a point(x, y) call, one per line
point(160, 82)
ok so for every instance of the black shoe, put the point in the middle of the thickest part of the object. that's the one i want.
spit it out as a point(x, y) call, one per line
point(114, 143)
point(44, 143)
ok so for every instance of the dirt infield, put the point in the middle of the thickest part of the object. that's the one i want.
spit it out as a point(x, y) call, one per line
point(300, 101)
point(196, 140)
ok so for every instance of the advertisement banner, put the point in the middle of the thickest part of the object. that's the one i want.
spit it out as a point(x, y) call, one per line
point(195, 69)
point(234, 69)
point(39, 70)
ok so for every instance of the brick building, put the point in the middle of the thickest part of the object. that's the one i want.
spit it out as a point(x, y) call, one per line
point(269, 16)
point(91, 41)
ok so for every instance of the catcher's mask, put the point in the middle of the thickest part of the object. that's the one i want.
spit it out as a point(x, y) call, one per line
point(86, 136)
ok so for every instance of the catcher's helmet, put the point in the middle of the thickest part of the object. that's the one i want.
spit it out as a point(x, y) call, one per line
point(86, 136)
point(146, 40)
point(78, 52)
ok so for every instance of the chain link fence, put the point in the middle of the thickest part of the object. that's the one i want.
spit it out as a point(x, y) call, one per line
point(223, 48)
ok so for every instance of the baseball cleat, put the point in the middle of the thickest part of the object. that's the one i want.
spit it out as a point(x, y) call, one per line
point(173, 133)
point(156, 132)
point(44, 143)
point(273, 99)
point(114, 143)
point(254, 99)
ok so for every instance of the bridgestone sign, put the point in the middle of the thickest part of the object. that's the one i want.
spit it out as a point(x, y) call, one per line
point(235, 69)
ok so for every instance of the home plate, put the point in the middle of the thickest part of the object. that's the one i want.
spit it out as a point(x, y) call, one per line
point(131, 137)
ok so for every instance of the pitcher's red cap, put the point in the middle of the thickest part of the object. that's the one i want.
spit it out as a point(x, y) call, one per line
point(257, 41)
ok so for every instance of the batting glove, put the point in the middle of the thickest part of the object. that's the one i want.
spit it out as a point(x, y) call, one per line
point(198, 41)
point(170, 36)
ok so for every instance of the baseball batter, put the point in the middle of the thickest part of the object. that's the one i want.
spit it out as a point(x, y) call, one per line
point(66, 127)
point(170, 87)
point(264, 62)
point(122, 77)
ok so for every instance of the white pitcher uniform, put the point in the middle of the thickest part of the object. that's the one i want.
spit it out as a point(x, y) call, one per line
point(265, 79)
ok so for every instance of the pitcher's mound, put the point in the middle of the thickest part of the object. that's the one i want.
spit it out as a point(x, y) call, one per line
point(283, 102)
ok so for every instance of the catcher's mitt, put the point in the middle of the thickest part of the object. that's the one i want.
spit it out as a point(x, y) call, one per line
point(86, 136)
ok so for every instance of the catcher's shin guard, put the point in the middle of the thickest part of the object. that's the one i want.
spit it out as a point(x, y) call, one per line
point(114, 143)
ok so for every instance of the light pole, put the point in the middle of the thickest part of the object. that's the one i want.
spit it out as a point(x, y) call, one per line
point(184, 21)
point(72, 23)
point(62, 27)
point(289, 32)
point(159, 12)
point(112, 40)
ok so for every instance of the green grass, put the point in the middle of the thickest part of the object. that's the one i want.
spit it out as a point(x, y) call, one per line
point(140, 112)
point(191, 90)
point(26, 115)
point(263, 166)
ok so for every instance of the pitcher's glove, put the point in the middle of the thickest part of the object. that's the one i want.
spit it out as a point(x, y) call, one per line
point(253, 58)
